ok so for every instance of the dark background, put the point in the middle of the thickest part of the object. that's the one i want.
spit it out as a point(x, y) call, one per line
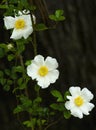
point(73, 44)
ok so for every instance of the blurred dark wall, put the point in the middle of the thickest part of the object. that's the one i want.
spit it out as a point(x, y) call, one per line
point(73, 44)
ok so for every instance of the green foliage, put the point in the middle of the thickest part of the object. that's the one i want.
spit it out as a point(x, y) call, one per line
point(40, 27)
point(25, 105)
point(18, 109)
point(2, 81)
point(2, 54)
point(67, 114)
point(58, 16)
point(58, 95)
point(8, 85)
point(33, 122)
point(59, 107)
point(18, 69)
point(14, 77)
point(28, 62)
point(4, 6)
point(30, 123)
point(10, 57)
point(67, 93)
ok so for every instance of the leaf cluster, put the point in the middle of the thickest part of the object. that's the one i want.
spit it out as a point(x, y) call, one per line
point(58, 16)
point(59, 105)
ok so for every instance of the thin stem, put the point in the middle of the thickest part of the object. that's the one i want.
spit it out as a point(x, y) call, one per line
point(26, 90)
point(53, 123)
point(32, 128)
point(43, 10)
point(34, 43)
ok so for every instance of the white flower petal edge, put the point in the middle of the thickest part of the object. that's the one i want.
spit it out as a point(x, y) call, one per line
point(43, 71)
point(53, 75)
point(26, 12)
point(79, 101)
point(51, 63)
point(27, 32)
point(18, 34)
point(39, 60)
point(43, 82)
point(9, 22)
point(87, 94)
point(75, 91)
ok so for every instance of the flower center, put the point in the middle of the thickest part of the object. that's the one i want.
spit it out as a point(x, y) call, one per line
point(78, 101)
point(43, 70)
point(19, 24)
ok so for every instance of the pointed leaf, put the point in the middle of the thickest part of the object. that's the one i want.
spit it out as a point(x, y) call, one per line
point(57, 94)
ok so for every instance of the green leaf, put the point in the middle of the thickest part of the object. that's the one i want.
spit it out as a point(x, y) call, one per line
point(21, 83)
point(4, 6)
point(26, 103)
point(21, 45)
point(18, 69)
point(43, 121)
point(58, 16)
point(6, 87)
point(67, 93)
point(40, 27)
point(5, 82)
point(28, 62)
point(22, 86)
point(57, 94)
point(59, 13)
point(37, 100)
point(2, 81)
point(10, 57)
point(31, 123)
point(28, 123)
point(13, 74)
point(54, 106)
point(20, 80)
point(59, 107)
point(53, 17)
point(18, 109)
point(67, 114)
point(3, 45)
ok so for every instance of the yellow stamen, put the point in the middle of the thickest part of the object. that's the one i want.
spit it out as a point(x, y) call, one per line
point(43, 70)
point(78, 101)
point(20, 24)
